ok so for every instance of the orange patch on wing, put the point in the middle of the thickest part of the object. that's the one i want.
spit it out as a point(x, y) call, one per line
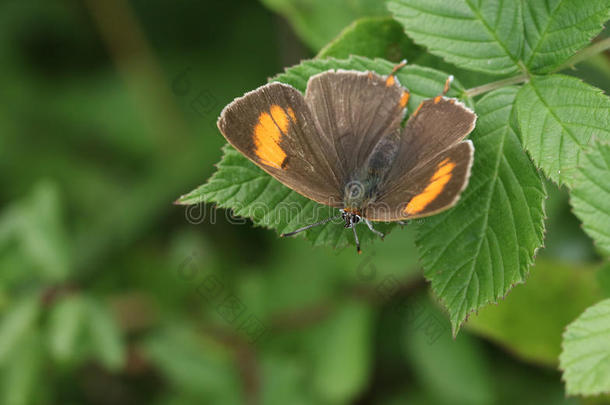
point(437, 184)
point(390, 81)
point(417, 109)
point(404, 99)
point(437, 99)
point(268, 133)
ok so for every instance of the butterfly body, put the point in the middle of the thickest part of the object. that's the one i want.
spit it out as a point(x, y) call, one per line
point(362, 188)
point(343, 144)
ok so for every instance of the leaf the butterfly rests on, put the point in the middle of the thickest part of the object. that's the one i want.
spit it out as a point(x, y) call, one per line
point(476, 252)
point(241, 186)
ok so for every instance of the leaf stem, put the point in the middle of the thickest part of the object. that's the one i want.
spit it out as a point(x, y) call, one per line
point(585, 54)
point(581, 56)
point(475, 91)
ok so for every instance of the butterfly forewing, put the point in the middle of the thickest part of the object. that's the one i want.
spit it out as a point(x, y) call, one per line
point(272, 126)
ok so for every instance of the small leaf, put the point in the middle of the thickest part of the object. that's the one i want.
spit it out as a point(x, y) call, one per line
point(283, 380)
point(556, 29)
point(65, 324)
point(247, 190)
point(20, 379)
point(529, 323)
point(16, 323)
point(384, 37)
point(485, 36)
point(317, 22)
point(559, 116)
point(476, 252)
point(195, 365)
point(36, 224)
point(377, 37)
point(106, 341)
point(342, 354)
point(453, 371)
point(590, 196)
point(585, 359)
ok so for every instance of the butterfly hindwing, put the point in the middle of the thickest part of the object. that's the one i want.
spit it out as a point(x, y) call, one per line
point(273, 127)
point(428, 189)
point(437, 124)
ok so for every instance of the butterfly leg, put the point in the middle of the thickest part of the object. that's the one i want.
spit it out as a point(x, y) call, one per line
point(402, 223)
point(357, 240)
point(375, 231)
point(322, 222)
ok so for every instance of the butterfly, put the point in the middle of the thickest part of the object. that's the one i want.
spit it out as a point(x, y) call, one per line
point(343, 144)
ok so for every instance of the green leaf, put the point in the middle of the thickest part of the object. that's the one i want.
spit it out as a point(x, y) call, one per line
point(195, 365)
point(485, 36)
point(556, 29)
point(66, 321)
point(20, 380)
point(452, 371)
point(590, 196)
point(17, 323)
point(283, 381)
point(385, 38)
point(559, 117)
point(476, 252)
point(317, 22)
point(106, 341)
point(529, 323)
point(377, 37)
point(247, 190)
point(342, 351)
point(585, 359)
point(36, 224)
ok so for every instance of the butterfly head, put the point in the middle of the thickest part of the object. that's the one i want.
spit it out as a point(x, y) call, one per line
point(350, 218)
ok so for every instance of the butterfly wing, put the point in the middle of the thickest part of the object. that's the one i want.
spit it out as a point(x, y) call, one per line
point(353, 111)
point(273, 127)
point(432, 166)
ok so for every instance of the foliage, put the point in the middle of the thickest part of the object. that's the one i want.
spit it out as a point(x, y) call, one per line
point(110, 294)
point(476, 252)
point(584, 359)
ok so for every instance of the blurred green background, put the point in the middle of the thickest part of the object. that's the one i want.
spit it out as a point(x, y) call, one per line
point(110, 294)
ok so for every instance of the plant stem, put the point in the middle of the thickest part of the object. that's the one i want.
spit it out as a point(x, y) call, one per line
point(475, 91)
point(585, 54)
point(581, 56)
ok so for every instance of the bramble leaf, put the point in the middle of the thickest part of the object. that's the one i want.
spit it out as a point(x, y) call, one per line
point(555, 294)
point(107, 345)
point(585, 359)
point(317, 22)
point(556, 29)
point(249, 192)
point(590, 196)
point(559, 116)
point(476, 252)
point(66, 322)
point(376, 37)
point(483, 36)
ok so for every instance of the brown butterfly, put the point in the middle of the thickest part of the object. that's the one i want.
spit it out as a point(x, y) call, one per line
point(342, 144)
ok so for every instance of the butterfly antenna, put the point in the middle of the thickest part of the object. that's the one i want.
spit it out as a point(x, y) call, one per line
point(447, 84)
point(309, 226)
point(396, 68)
point(356, 239)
